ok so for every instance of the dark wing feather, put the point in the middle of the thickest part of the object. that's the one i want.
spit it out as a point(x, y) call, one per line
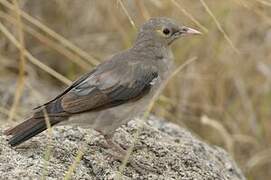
point(104, 89)
point(74, 84)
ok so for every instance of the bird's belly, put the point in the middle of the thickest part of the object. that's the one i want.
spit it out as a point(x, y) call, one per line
point(108, 120)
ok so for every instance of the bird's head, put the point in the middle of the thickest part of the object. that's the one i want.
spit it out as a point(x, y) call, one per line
point(164, 30)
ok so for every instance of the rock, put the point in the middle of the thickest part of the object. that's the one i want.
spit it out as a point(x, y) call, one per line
point(163, 151)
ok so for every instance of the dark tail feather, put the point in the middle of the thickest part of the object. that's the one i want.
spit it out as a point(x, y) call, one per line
point(19, 127)
point(37, 123)
point(30, 128)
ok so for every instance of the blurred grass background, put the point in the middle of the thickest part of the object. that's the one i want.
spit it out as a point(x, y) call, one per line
point(224, 97)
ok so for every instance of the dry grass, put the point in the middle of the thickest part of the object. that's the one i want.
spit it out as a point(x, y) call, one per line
point(21, 78)
point(225, 97)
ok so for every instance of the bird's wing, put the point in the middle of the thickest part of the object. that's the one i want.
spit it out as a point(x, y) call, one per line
point(109, 86)
point(74, 84)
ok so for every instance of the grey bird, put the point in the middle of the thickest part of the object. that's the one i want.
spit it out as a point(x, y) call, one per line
point(115, 91)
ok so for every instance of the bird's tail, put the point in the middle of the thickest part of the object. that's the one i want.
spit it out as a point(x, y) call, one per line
point(27, 130)
point(34, 125)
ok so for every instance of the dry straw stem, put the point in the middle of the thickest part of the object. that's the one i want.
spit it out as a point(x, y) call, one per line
point(222, 131)
point(33, 59)
point(58, 37)
point(127, 14)
point(21, 76)
point(142, 9)
point(121, 30)
point(48, 150)
point(241, 138)
point(6, 112)
point(258, 159)
point(266, 3)
point(35, 93)
point(147, 113)
point(49, 146)
point(248, 106)
point(254, 9)
point(50, 43)
point(73, 166)
point(219, 26)
point(190, 16)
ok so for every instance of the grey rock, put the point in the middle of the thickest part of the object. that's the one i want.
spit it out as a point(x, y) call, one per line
point(163, 151)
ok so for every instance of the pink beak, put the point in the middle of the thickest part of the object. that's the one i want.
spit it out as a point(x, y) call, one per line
point(189, 31)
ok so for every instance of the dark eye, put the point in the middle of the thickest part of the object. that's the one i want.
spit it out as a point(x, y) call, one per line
point(166, 31)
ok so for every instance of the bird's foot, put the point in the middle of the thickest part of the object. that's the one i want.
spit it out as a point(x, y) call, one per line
point(119, 154)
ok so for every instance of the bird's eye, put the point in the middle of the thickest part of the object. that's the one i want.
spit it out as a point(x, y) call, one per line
point(166, 31)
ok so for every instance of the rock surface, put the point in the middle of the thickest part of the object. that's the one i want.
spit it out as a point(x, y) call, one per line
point(163, 151)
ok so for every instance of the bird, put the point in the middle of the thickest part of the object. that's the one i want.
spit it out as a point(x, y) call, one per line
point(115, 91)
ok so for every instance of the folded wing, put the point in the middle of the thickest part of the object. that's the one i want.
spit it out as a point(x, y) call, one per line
point(105, 89)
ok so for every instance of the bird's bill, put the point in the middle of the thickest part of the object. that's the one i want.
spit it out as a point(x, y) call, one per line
point(189, 31)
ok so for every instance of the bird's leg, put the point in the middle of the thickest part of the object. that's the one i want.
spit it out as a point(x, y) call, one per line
point(119, 151)
point(119, 154)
